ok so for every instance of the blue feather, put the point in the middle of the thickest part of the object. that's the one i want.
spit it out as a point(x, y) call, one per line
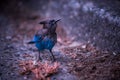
point(45, 43)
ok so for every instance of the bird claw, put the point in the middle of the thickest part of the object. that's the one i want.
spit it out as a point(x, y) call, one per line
point(40, 59)
point(36, 61)
point(53, 59)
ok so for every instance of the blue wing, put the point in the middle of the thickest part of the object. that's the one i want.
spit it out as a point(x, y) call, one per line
point(38, 39)
point(48, 43)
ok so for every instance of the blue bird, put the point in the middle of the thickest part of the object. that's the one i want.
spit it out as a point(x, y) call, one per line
point(46, 38)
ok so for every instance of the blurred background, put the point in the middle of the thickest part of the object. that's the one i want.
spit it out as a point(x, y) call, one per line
point(89, 21)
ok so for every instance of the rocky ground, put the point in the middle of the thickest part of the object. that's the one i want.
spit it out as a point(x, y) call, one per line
point(77, 61)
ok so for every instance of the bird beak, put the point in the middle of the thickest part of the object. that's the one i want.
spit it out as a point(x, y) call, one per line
point(57, 20)
point(42, 22)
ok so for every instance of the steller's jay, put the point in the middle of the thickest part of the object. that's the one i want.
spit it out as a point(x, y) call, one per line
point(46, 38)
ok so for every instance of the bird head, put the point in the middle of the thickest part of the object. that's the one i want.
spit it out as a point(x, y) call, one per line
point(54, 21)
point(49, 23)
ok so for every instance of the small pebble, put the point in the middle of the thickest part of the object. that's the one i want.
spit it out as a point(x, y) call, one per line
point(8, 37)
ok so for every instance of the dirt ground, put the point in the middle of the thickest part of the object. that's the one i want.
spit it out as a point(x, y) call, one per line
point(78, 61)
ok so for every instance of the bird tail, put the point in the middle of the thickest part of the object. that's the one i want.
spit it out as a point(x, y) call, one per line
point(31, 42)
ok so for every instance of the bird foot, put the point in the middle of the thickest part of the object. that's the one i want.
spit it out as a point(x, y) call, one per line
point(40, 59)
point(53, 59)
point(35, 62)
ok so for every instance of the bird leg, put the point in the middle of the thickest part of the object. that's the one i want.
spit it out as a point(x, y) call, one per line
point(39, 57)
point(52, 55)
